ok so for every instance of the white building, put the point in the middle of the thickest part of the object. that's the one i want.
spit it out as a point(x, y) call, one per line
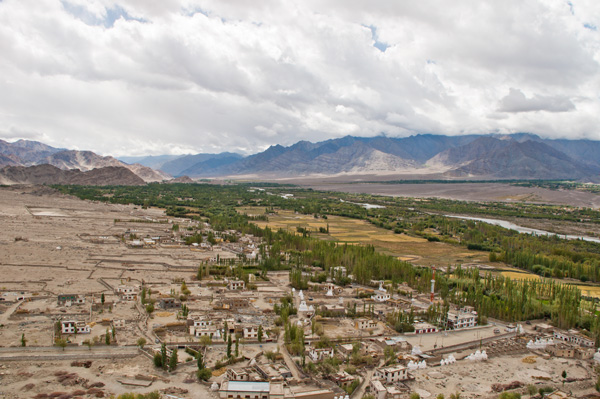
point(74, 327)
point(574, 337)
point(379, 391)
point(204, 327)
point(392, 374)
point(127, 292)
point(250, 332)
point(202, 323)
point(464, 318)
point(245, 389)
point(381, 294)
point(237, 374)
point(425, 328)
point(332, 289)
point(236, 285)
point(317, 354)
point(305, 310)
point(126, 289)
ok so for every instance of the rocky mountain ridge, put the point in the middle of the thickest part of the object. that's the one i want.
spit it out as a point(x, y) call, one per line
point(49, 174)
point(32, 153)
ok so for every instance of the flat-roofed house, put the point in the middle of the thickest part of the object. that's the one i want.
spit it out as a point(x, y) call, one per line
point(574, 337)
point(169, 303)
point(245, 390)
point(250, 332)
point(392, 374)
point(365, 324)
point(317, 354)
point(70, 299)
point(377, 389)
point(425, 328)
point(381, 294)
point(237, 374)
point(74, 327)
point(236, 285)
point(464, 318)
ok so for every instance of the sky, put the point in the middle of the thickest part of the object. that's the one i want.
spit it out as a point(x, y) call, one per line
point(149, 77)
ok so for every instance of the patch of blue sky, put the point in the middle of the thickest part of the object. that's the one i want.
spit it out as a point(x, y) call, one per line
point(196, 10)
point(381, 46)
point(112, 15)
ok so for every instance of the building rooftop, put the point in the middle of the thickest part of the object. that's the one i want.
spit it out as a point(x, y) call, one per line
point(247, 386)
point(397, 367)
point(377, 385)
point(424, 325)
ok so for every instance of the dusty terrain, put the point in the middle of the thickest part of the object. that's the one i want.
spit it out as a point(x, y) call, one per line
point(456, 191)
point(475, 379)
point(25, 379)
point(52, 244)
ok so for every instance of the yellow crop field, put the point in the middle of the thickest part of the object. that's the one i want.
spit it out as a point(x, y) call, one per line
point(408, 258)
point(396, 238)
point(521, 276)
point(587, 290)
point(356, 231)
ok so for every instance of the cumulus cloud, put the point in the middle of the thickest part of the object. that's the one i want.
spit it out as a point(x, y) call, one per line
point(136, 77)
point(516, 101)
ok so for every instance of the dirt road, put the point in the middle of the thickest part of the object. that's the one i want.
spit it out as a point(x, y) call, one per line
point(4, 316)
point(291, 365)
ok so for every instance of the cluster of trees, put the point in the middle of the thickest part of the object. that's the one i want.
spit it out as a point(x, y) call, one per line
point(560, 185)
point(162, 360)
point(294, 339)
point(515, 300)
point(203, 373)
point(401, 322)
point(550, 256)
point(284, 310)
point(298, 280)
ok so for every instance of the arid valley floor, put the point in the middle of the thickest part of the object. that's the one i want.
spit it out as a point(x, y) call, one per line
point(53, 245)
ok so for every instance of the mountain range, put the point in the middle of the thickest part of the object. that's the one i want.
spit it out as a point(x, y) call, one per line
point(519, 156)
point(516, 156)
point(27, 153)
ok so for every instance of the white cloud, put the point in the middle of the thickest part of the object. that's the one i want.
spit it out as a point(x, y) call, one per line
point(135, 77)
point(516, 101)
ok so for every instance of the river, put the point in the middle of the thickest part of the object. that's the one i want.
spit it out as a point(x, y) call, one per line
point(509, 225)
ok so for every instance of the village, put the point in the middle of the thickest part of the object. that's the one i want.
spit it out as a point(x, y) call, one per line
point(138, 301)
